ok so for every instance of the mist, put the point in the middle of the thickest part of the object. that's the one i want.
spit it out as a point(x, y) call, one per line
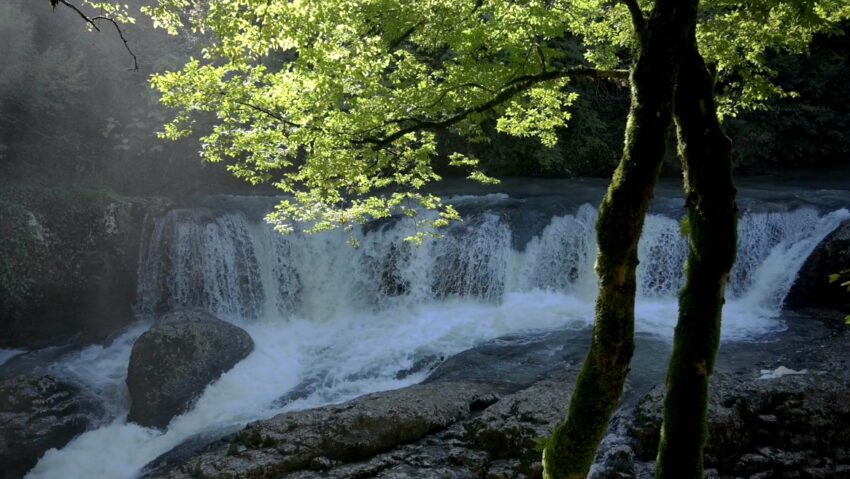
point(73, 109)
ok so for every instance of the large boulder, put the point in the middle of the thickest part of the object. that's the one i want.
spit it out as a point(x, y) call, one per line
point(38, 413)
point(172, 363)
point(812, 287)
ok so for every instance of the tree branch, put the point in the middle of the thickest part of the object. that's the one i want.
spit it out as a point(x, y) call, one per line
point(123, 39)
point(401, 38)
point(508, 91)
point(637, 15)
point(92, 21)
point(269, 113)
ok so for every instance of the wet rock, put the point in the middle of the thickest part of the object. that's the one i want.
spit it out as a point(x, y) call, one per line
point(37, 414)
point(504, 469)
point(515, 426)
point(442, 429)
point(812, 287)
point(785, 426)
point(421, 362)
point(440, 456)
point(172, 363)
point(498, 368)
point(515, 362)
point(357, 430)
point(616, 462)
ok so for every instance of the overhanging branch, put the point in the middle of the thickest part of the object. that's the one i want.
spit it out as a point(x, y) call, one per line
point(93, 22)
point(508, 91)
point(268, 112)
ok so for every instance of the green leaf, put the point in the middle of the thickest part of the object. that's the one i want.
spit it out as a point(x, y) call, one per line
point(338, 101)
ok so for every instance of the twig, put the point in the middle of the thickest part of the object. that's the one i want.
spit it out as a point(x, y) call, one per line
point(268, 112)
point(91, 21)
point(508, 91)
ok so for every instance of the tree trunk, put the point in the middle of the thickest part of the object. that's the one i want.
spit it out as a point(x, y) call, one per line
point(571, 449)
point(712, 217)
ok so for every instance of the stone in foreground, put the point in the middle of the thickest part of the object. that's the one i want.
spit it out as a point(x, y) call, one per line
point(38, 413)
point(174, 361)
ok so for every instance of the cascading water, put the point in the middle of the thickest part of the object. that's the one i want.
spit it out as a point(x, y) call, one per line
point(331, 322)
point(7, 354)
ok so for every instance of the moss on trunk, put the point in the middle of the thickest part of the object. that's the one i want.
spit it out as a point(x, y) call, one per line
point(572, 447)
point(712, 215)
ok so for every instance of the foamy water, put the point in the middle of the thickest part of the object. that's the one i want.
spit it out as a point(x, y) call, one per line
point(7, 354)
point(345, 322)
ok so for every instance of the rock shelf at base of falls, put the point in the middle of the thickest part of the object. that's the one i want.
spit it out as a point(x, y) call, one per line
point(468, 423)
point(38, 413)
point(172, 363)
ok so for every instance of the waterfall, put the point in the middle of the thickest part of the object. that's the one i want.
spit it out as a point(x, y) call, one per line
point(331, 322)
point(242, 270)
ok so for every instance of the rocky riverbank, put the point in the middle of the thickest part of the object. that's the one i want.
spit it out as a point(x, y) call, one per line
point(38, 413)
point(778, 409)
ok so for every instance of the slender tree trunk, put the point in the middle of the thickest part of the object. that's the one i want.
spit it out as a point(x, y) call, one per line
point(571, 449)
point(712, 218)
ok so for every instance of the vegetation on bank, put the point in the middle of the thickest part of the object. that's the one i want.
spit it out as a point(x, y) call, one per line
point(68, 262)
point(25, 242)
point(22, 251)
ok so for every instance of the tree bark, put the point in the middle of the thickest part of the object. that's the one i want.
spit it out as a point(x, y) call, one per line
point(570, 451)
point(712, 219)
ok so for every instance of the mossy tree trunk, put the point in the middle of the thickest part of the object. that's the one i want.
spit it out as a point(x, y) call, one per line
point(571, 449)
point(712, 218)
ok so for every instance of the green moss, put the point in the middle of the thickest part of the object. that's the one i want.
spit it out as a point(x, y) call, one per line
point(21, 251)
point(712, 218)
point(233, 449)
point(82, 192)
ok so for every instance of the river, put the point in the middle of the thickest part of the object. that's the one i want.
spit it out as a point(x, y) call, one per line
point(338, 322)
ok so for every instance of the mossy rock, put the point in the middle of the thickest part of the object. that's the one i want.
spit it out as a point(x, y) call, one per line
point(172, 363)
point(69, 264)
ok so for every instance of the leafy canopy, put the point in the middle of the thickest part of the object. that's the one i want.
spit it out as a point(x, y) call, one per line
point(337, 102)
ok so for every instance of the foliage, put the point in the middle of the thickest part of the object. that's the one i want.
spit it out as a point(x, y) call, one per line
point(738, 38)
point(589, 146)
point(336, 102)
point(19, 248)
point(806, 131)
point(356, 105)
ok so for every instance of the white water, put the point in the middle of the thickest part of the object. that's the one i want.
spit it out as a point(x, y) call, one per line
point(7, 354)
point(341, 322)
